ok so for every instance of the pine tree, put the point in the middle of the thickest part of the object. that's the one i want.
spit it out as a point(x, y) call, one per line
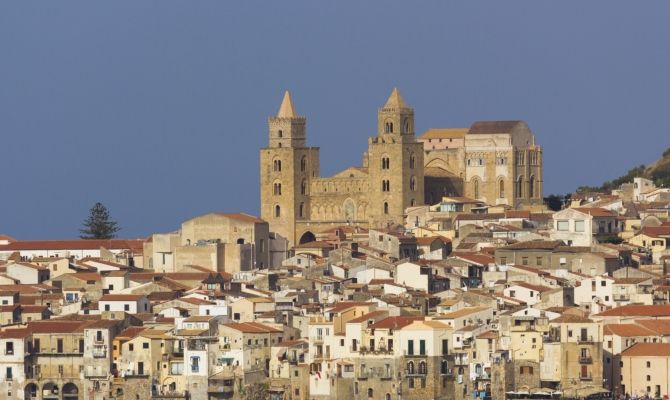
point(98, 225)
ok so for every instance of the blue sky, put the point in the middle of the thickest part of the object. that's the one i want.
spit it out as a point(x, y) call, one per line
point(158, 108)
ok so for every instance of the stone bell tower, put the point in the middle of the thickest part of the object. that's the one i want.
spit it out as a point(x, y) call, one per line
point(395, 163)
point(287, 166)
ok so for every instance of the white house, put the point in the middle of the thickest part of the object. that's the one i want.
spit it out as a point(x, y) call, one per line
point(522, 291)
point(130, 303)
point(27, 274)
point(572, 227)
point(412, 275)
point(595, 289)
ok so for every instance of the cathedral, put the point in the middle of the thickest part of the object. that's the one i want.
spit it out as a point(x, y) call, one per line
point(496, 162)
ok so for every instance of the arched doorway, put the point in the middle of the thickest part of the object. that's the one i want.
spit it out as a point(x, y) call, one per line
point(50, 391)
point(70, 391)
point(307, 237)
point(30, 392)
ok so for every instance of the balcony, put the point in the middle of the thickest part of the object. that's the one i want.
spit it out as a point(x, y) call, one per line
point(131, 373)
point(225, 389)
point(9, 352)
point(585, 360)
point(171, 395)
point(461, 360)
point(95, 374)
point(318, 339)
point(585, 339)
point(362, 375)
point(621, 297)
point(99, 351)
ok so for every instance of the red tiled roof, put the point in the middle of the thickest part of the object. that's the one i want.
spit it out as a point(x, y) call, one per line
point(395, 322)
point(648, 350)
point(121, 297)
point(252, 327)
point(110, 244)
point(633, 310)
point(489, 127)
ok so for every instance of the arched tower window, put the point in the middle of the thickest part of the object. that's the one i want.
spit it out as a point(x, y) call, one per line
point(386, 208)
point(475, 187)
point(277, 211)
point(388, 127)
point(422, 368)
point(370, 393)
point(276, 165)
point(386, 185)
point(519, 186)
point(412, 183)
point(531, 186)
point(303, 164)
point(385, 162)
point(410, 368)
point(280, 133)
point(301, 211)
point(277, 189)
point(412, 161)
point(407, 126)
point(303, 187)
point(501, 189)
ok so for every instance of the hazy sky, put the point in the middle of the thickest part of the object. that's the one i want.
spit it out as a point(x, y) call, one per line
point(158, 108)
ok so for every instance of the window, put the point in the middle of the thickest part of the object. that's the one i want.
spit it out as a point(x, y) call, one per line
point(370, 393)
point(412, 161)
point(648, 364)
point(422, 347)
point(280, 133)
point(9, 348)
point(131, 347)
point(386, 163)
point(562, 225)
point(475, 186)
point(106, 307)
point(277, 211)
point(538, 261)
point(531, 186)
point(276, 165)
point(579, 226)
point(59, 345)
point(301, 210)
point(303, 187)
point(303, 164)
point(519, 186)
point(195, 364)
point(386, 208)
point(9, 375)
point(145, 345)
point(386, 185)
point(524, 260)
point(276, 189)
point(412, 183)
point(388, 127)
point(501, 189)
point(126, 307)
point(410, 347)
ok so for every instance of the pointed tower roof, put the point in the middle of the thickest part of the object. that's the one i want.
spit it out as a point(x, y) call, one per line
point(286, 110)
point(395, 100)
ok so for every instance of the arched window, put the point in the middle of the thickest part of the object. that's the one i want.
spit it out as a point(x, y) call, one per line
point(410, 368)
point(412, 183)
point(388, 127)
point(475, 187)
point(531, 186)
point(279, 144)
point(444, 368)
point(407, 127)
point(370, 393)
point(386, 185)
point(412, 161)
point(302, 210)
point(412, 203)
point(385, 162)
point(276, 165)
point(303, 164)
point(501, 189)
point(303, 187)
point(386, 208)
point(388, 396)
point(277, 189)
point(277, 211)
point(519, 186)
point(422, 368)
point(280, 133)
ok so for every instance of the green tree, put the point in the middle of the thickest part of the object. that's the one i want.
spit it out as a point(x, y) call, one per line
point(256, 391)
point(554, 202)
point(99, 225)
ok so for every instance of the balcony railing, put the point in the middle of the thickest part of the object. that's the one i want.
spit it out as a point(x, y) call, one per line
point(99, 351)
point(94, 374)
point(461, 360)
point(170, 395)
point(585, 360)
point(317, 339)
point(585, 339)
point(621, 297)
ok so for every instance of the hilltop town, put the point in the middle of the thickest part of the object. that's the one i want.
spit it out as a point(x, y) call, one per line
point(432, 270)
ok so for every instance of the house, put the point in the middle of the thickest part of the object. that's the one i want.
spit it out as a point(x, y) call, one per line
point(26, 273)
point(129, 303)
point(645, 370)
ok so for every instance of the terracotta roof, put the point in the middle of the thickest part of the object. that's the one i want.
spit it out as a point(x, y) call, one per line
point(369, 316)
point(660, 326)
point(243, 217)
point(535, 245)
point(344, 305)
point(444, 133)
point(428, 240)
point(463, 312)
point(489, 127)
point(15, 333)
point(537, 288)
point(395, 322)
point(632, 310)
point(627, 330)
point(481, 259)
point(57, 326)
point(656, 231)
point(110, 244)
point(130, 332)
point(121, 297)
point(252, 327)
point(596, 211)
point(647, 350)
point(570, 318)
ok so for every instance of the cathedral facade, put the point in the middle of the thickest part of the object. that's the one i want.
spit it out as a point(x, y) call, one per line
point(398, 171)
